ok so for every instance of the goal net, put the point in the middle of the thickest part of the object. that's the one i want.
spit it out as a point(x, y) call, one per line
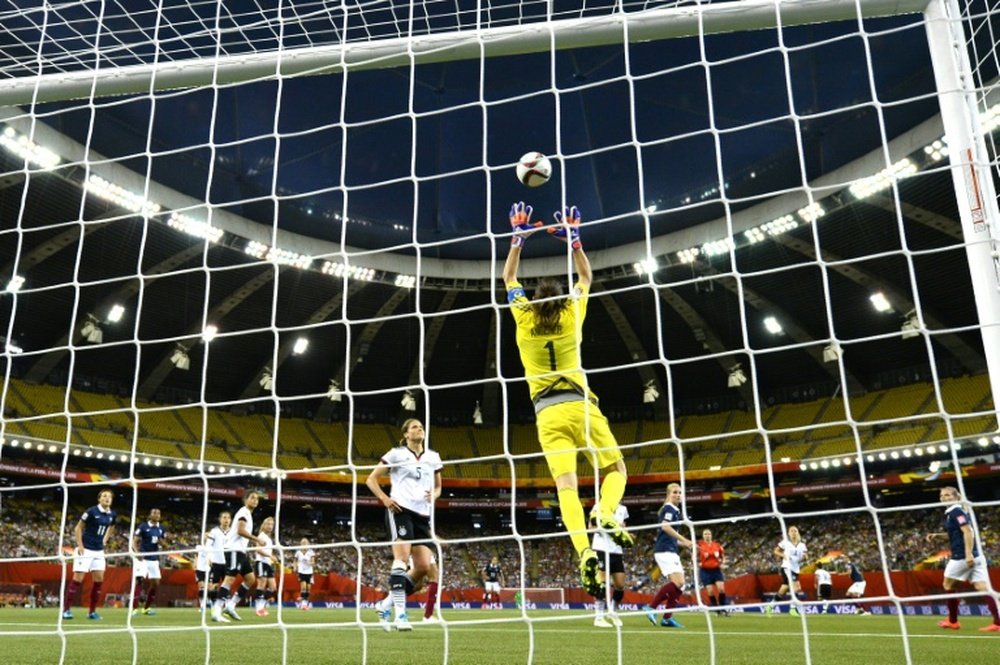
point(243, 243)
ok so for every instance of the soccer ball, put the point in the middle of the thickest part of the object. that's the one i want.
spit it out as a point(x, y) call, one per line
point(534, 169)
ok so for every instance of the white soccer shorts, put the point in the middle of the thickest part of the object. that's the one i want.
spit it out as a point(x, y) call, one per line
point(89, 562)
point(669, 563)
point(150, 569)
point(957, 570)
point(492, 586)
point(857, 589)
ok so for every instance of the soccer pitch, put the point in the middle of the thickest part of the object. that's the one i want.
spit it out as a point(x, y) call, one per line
point(176, 637)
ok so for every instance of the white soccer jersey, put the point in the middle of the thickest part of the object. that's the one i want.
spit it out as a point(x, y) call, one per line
point(217, 539)
point(238, 543)
point(823, 577)
point(602, 543)
point(201, 558)
point(266, 548)
point(794, 554)
point(303, 562)
point(412, 477)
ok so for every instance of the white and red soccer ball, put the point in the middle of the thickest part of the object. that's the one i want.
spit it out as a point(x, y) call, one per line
point(534, 169)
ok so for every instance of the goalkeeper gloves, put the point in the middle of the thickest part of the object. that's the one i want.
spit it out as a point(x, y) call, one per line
point(520, 222)
point(568, 227)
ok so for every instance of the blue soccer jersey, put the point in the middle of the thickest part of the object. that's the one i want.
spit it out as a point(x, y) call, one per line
point(96, 523)
point(492, 572)
point(856, 575)
point(150, 536)
point(670, 514)
point(954, 519)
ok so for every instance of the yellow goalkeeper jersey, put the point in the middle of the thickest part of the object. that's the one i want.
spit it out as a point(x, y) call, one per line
point(551, 360)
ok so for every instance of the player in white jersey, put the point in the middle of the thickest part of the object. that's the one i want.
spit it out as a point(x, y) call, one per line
point(824, 586)
point(237, 560)
point(305, 559)
point(792, 552)
point(610, 561)
point(415, 473)
point(215, 548)
point(264, 565)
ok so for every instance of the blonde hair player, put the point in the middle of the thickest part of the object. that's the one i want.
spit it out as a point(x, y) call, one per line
point(967, 563)
point(305, 560)
point(264, 563)
point(668, 559)
point(549, 334)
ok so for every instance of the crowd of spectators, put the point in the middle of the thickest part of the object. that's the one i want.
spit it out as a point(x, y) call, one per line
point(30, 531)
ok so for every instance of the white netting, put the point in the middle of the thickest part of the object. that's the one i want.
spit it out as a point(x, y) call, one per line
point(258, 184)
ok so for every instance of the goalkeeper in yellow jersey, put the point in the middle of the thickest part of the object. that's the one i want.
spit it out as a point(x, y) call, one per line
point(549, 333)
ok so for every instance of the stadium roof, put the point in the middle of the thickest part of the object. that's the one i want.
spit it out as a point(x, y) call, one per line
point(726, 133)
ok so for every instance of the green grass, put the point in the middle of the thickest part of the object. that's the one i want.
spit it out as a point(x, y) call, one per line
point(176, 637)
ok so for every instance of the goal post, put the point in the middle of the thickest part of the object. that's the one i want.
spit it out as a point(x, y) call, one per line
point(480, 40)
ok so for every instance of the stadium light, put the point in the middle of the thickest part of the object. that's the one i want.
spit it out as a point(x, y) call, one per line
point(180, 357)
point(301, 344)
point(91, 330)
point(115, 313)
point(736, 377)
point(477, 415)
point(211, 330)
point(832, 352)
point(880, 302)
point(911, 326)
point(333, 392)
point(409, 401)
point(772, 325)
point(649, 392)
point(15, 284)
point(266, 379)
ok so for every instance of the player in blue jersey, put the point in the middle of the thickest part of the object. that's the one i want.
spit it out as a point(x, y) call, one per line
point(967, 564)
point(493, 579)
point(857, 588)
point(92, 532)
point(146, 565)
point(667, 558)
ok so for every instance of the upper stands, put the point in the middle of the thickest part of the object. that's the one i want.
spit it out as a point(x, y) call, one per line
point(880, 419)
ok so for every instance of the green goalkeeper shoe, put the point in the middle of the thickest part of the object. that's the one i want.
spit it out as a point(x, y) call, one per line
point(589, 573)
point(617, 533)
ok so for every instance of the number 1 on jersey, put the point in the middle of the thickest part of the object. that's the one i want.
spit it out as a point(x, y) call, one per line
point(550, 345)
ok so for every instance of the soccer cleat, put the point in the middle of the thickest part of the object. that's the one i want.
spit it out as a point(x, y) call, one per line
point(670, 623)
point(94, 616)
point(618, 535)
point(949, 624)
point(992, 628)
point(615, 621)
point(768, 610)
point(149, 611)
point(231, 613)
point(403, 622)
point(650, 614)
point(792, 611)
point(218, 618)
point(601, 622)
point(588, 573)
point(136, 612)
point(68, 614)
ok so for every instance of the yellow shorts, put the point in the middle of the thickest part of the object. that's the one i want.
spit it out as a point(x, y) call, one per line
point(562, 431)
